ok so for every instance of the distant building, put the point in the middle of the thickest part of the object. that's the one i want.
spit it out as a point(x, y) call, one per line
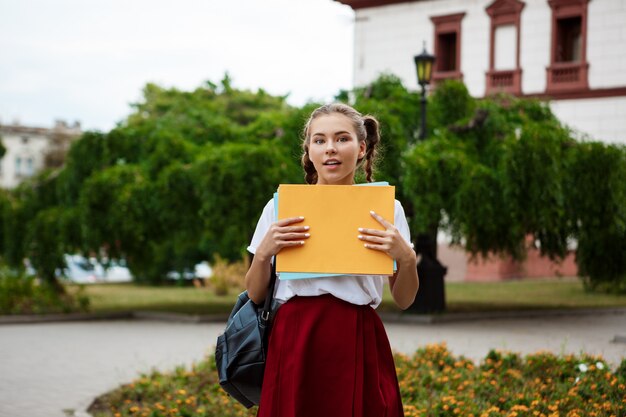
point(31, 149)
point(568, 51)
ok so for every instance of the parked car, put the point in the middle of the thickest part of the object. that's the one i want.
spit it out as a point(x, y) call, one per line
point(202, 270)
point(80, 270)
point(88, 270)
point(116, 271)
point(84, 270)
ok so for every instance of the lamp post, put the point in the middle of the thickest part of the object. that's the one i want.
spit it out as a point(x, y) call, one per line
point(424, 66)
point(431, 295)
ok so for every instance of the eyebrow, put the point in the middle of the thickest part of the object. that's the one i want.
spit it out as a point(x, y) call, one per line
point(343, 132)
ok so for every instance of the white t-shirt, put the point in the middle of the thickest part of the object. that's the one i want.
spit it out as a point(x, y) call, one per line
point(360, 290)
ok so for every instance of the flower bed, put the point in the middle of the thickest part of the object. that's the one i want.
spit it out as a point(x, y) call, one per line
point(433, 382)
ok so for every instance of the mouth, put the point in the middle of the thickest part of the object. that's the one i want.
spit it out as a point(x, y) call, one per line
point(332, 162)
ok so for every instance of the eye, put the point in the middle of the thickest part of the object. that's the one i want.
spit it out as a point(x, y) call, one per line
point(344, 139)
point(318, 141)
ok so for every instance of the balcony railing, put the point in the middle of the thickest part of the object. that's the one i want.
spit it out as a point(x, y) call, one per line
point(502, 79)
point(507, 81)
point(564, 76)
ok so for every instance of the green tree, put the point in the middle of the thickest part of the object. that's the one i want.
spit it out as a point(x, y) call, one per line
point(596, 199)
point(234, 182)
point(5, 214)
point(184, 177)
point(157, 189)
point(510, 171)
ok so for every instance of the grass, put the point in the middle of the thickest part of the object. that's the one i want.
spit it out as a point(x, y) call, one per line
point(189, 300)
point(549, 293)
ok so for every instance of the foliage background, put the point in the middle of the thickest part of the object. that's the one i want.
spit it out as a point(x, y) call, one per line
point(184, 177)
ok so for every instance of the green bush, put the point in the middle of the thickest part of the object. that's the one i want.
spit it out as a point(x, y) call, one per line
point(433, 383)
point(596, 197)
point(451, 103)
point(22, 294)
point(228, 275)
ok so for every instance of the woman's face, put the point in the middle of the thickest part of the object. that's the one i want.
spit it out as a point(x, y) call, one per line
point(334, 149)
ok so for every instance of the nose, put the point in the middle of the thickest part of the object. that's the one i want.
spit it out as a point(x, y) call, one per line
point(330, 147)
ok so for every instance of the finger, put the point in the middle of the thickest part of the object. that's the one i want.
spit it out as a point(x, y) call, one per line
point(292, 229)
point(288, 221)
point(373, 246)
point(373, 239)
point(381, 220)
point(289, 243)
point(293, 236)
point(373, 232)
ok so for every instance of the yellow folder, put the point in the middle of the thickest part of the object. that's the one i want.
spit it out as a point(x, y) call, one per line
point(334, 213)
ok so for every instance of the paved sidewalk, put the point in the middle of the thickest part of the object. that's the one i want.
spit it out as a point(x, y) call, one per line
point(48, 368)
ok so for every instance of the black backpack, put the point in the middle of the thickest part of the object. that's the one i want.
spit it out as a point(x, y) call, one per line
point(242, 349)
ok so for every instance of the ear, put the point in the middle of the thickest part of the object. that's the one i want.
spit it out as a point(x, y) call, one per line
point(362, 148)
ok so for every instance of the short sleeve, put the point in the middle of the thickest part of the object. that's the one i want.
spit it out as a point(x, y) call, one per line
point(401, 223)
point(265, 221)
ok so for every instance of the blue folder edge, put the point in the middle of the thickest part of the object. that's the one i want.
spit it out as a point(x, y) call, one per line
point(309, 275)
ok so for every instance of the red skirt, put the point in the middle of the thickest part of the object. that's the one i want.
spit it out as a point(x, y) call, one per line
point(329, 358)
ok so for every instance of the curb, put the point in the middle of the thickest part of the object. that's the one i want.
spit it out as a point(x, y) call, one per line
point(123, 315)
point(180, 317)
point(50, 318)
point(495, 315)
point(407, 318)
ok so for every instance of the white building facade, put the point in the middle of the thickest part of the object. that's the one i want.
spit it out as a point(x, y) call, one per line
point(30, 149)
point(570, 52)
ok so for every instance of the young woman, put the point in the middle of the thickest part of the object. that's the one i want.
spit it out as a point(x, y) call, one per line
point(329, 355)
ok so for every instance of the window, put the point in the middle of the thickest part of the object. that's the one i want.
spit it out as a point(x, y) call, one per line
point(447, 47)
point(24, 166)
point(447, 52)
point(29, 171)
point(505, 47)
point(568, 40)
point(568, 70)
point(505, 73)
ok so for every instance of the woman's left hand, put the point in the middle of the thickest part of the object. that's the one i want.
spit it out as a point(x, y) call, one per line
point(389, 241)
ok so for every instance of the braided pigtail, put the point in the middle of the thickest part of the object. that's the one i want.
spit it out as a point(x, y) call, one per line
point(310, 174)
point(372, 139)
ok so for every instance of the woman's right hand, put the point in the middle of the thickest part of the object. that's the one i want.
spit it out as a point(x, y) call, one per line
point(282, 234)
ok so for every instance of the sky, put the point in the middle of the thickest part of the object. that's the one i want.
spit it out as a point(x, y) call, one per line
point(88, 60)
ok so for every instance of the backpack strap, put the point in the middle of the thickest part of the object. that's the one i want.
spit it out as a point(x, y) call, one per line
point(267, 306)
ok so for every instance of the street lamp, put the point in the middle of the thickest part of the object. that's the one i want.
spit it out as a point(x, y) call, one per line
point(424, 66)
point(431, 295)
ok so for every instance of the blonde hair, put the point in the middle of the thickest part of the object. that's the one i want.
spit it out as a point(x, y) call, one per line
point(366, 127)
